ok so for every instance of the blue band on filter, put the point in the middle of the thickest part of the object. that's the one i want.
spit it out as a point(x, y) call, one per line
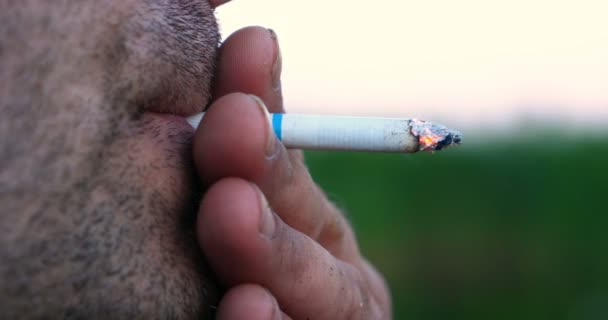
point(277, 125)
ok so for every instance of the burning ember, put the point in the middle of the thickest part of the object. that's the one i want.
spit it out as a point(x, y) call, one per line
point(433, 137)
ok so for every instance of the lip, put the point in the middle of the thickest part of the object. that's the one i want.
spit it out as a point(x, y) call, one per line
point(170, 119)
point(178, 108)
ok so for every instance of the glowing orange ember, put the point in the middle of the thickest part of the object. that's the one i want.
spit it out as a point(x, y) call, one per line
point(428, 141)
point(433, 137)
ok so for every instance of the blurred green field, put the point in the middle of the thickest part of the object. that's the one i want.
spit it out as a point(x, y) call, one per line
point(516, 230)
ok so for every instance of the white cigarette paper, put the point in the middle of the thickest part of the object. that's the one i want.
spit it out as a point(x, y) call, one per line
point(322, 132)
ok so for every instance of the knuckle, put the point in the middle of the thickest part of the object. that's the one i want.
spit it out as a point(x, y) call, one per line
point(335, 226)
point(352, 299)
point(297, 156)
point(294, 256)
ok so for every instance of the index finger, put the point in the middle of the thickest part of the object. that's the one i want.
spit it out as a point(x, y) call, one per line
point(250, 62)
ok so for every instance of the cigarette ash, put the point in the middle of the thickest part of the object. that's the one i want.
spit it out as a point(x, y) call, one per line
point(433, 137)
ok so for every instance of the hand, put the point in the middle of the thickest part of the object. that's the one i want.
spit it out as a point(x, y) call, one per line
point(279, 247)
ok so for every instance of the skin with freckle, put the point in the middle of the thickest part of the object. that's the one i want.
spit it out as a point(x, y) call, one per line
point(98, 198)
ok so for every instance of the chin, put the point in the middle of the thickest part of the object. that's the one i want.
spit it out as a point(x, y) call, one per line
point(170, 277)
point(121, 243)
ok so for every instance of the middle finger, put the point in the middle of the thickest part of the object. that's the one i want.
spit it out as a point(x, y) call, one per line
point(244, 146)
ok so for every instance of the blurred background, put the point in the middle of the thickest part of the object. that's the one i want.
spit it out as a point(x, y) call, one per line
point(511, 225)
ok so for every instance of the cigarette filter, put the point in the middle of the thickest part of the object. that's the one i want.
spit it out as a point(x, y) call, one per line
point(323, 132)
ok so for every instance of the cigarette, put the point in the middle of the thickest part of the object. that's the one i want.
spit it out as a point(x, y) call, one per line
point(348, 133)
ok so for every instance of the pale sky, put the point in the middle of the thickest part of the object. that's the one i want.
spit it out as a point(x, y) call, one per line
point(473, 63)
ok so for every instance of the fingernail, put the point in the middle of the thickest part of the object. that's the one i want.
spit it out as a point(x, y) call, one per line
point(272, 143)
point(267, 224)
point(275, 313)
point(277, 66)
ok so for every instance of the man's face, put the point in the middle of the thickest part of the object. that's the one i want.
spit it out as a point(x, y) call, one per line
point(97, 189)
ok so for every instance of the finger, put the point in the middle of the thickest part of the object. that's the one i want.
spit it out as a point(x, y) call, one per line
point(250, 62)
point(244, 146)
point(249, 301)
point(245, 242)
